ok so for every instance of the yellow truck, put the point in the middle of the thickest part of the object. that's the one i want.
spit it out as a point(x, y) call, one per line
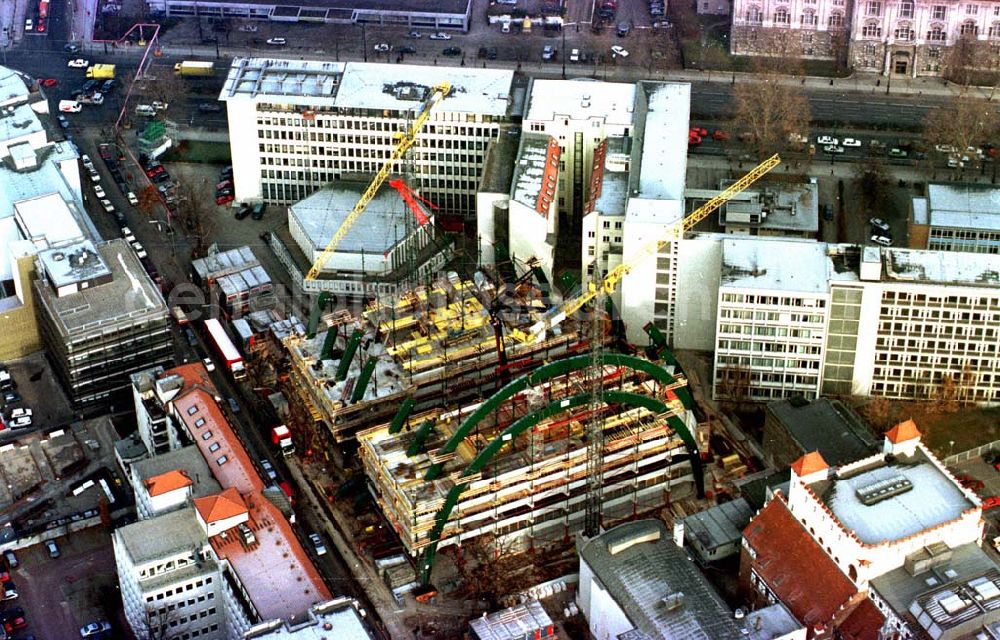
point(193, 68)
point(101, 71)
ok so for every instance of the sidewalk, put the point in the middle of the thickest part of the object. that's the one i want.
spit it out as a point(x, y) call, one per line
point(859, 82)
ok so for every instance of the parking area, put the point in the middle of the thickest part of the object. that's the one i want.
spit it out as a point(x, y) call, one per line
point(60, 595)
point(38, 390)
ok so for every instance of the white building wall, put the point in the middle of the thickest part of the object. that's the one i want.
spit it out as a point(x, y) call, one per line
point(606, 619)
point(529, 232)
point(486, 224)
point(698, 262)
point(244, 149)
point(602, 244)
point(649, 291)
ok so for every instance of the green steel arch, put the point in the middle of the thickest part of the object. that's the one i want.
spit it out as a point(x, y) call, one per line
point(551, 370)
point(526, 422)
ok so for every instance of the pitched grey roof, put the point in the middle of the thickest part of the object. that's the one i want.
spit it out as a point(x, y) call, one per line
point(642, 569)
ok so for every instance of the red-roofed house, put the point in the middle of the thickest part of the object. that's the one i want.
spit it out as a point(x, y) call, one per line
point(810, 464)
point(168, 490)
point(221, 512)
point(780, 561)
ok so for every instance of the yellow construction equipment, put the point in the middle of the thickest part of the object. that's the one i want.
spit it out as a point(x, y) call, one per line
point(403, 144)
point(613, 277)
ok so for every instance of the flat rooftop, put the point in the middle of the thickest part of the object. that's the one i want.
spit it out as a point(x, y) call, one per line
point(964, 206)
point(529, 168)
point(48, 221)
point(719, 525)
point(19, 121)
point(825, 426)
point(663, 166)
point(394, 87)
point(581, 99)
point(366, 85)
point(12, 86)
point(339, 616)
point(188, 459)
point(378, 230)
point(888, 501)
point(130, 293)
point(760, 263)
point(349, 7)
point(941, 267)
point(145, 542)
point(225, 262)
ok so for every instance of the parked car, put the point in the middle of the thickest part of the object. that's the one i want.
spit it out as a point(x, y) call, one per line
point(451, 52)
point(277, 42)
point(209, 365)
point(827, 140)
point(258, 211)
point(11, 559)
point(834, 149)
point(440, 35)
point(21, 412)
point(78, 63)
point(268, 468)
point(95, 628)
point(317, 543)
point(107, 85)
point(224, 199)
point(10, 397)
point(383, 47)
point(108, 207)
point(407, 49)
point(209, 107)
point(885, 241)
point(896, 152)
point(548, 52)
point(99, 191)
point(574, 55)
point(132, 200)
point(63, 122)
point(851, 142)
point(879, 224)
point(414, 34)
point(233, 405)
point(619, 51)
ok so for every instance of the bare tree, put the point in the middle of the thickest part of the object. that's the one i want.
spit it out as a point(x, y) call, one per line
point(960, 63)
point(490, 571)
point(149, 199)
point(768, 111)
point(874, 185)
point(965, 123)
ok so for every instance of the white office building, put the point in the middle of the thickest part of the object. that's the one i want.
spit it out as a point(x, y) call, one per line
point(959, 217)
point(301, 125)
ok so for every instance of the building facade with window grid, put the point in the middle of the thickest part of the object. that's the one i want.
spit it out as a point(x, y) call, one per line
point(957, 218)
point(904, 37)
point(790, 28)
point(311, 124)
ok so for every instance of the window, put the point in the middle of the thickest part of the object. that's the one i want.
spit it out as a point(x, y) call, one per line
point(809, 18)
point(939, 12)
point(836, 20)
point(754, 15)
point(872, 29)
point(206, 435)
point(903, 32)
point(995, 30)
point(192, 410)
point(971, 9)
point(906, 9)
point(936, 34)
point(199, 422)
point(781, 16)
point(214, 447)
point(221, 460)
point(969, 28)
point(873, 8)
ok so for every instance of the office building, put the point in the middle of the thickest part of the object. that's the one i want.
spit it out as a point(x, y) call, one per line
point(306, 124)
point(41, 206)
point(231, 561)
point(963, 217)
point(797, 29)
point(101, 318)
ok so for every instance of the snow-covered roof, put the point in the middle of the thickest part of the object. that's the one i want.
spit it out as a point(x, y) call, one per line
point(582, 99)
point(964, 206)
point(945, 267)
point(775, 264)
point(300, 82)
point(529, 168)
point(48, 221)
point(663, 166)
point(377, 230)
point(926, 498)
point(919, 206)
point(12, 87)
point(397, 87)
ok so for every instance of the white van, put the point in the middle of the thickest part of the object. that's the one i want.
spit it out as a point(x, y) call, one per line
point(145, 110)
point(70, 106)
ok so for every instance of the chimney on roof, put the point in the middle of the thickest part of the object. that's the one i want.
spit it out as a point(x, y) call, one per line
point(901, 439)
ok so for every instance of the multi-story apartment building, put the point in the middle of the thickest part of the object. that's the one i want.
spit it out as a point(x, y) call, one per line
point(791, 28)
point(101, 318)
point(231, 560)
point(301, 125)
point(956, 218)
point(771, 320)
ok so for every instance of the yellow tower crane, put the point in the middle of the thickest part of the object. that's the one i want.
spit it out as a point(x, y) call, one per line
point(610, 281)
point(403, 143)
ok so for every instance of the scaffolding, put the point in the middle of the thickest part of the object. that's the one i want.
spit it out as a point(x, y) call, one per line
point(533, 491)
point(433, 346)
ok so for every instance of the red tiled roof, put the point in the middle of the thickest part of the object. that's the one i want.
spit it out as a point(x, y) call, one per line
point(794, 566)
point(193, 374)
point(221, 506)
point(863, 623)
point(167, 482)
point(809, 463)
point(902, 432)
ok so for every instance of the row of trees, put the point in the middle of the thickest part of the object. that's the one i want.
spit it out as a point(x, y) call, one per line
point(771, 113)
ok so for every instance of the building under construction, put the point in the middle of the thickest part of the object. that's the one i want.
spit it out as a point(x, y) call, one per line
point(514, 467)
point(432, 346)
